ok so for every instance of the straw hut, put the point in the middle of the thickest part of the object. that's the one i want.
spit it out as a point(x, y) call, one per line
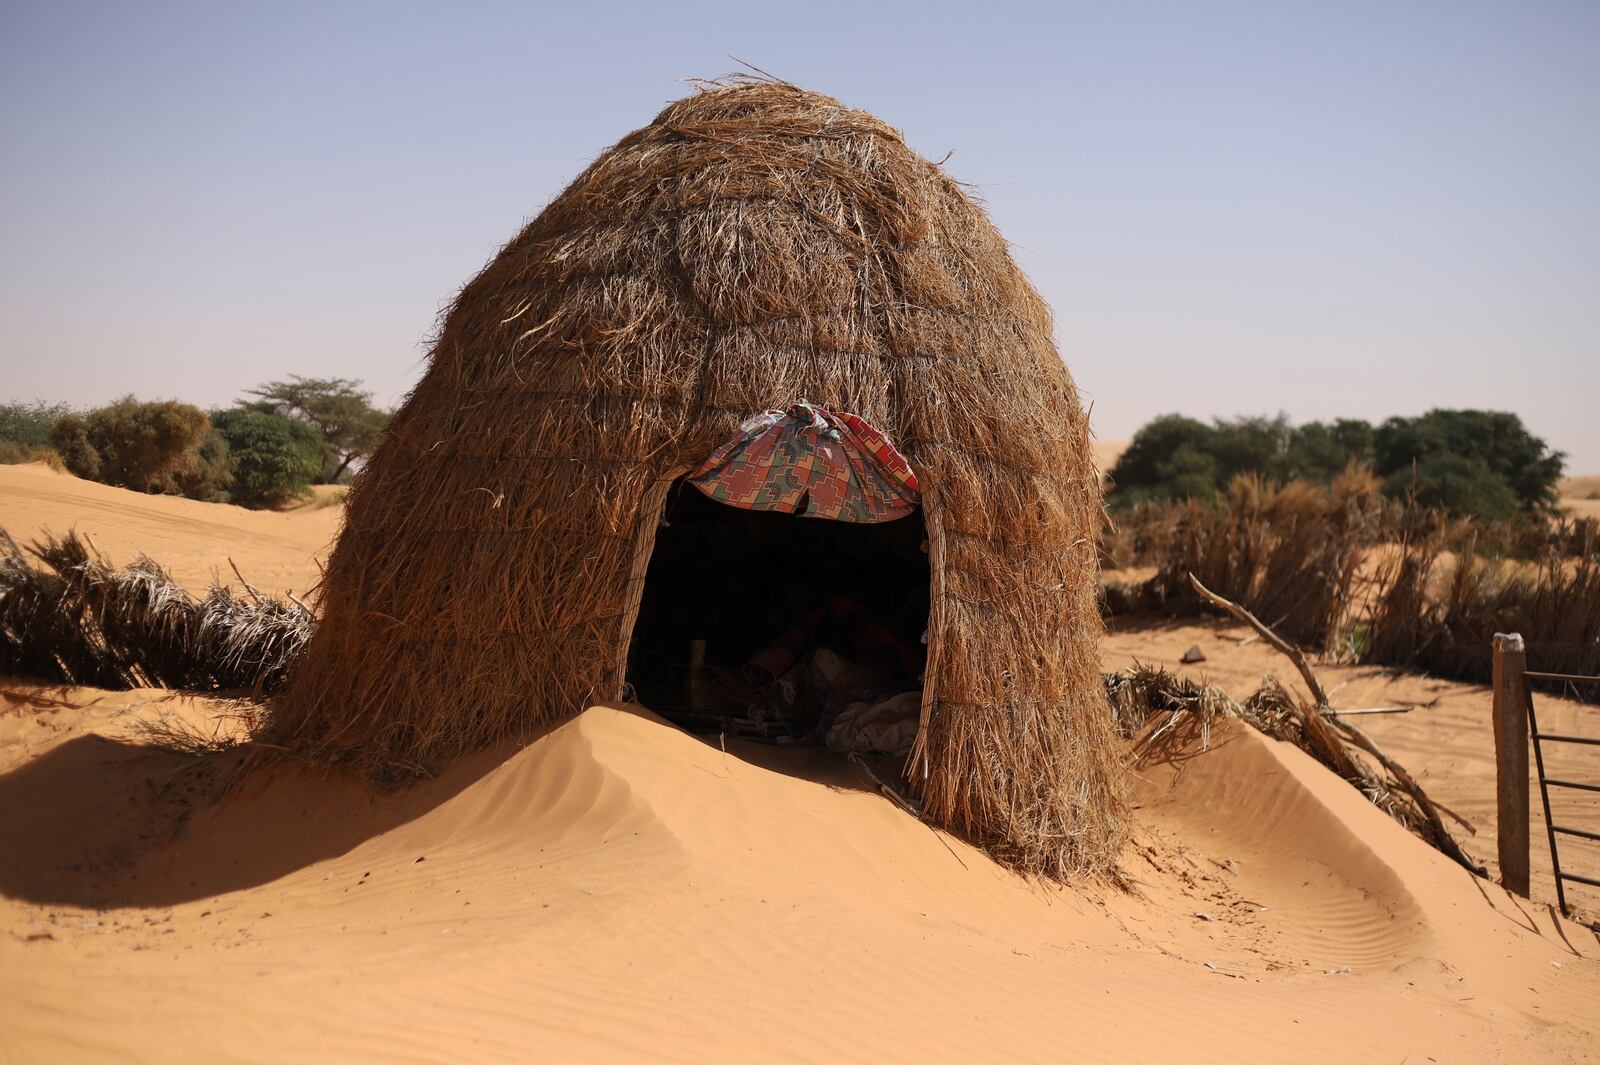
point(755, 245)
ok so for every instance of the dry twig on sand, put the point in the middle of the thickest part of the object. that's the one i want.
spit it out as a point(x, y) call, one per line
point(1319, 718)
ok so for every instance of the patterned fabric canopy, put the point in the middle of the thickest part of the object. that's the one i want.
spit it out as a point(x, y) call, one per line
point(818, 461)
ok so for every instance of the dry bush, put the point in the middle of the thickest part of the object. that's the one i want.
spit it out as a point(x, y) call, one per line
point(137, 444)
point(1291, 553)
point(15, 454)
point(1138, 534)
point(1341, 569)
point(1440, 602)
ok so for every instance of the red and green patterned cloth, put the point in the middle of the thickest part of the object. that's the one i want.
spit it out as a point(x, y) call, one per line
point(813, 460)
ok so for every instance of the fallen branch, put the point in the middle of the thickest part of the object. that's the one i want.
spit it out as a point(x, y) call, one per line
point(1374, 710)
point(1278, 642)
point(247, 586)
point(66, 615)
point(1320, 716)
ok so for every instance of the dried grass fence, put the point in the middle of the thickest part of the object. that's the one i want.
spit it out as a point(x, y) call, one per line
point(67, 615)
point(1438, 603)
point(1343, 571)
point(1292, 553)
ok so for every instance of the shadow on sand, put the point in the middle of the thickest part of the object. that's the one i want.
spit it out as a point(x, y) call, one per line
point(101, 823)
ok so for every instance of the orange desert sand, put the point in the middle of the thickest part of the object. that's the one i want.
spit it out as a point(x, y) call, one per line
point(1581, 496)
point(616, 889)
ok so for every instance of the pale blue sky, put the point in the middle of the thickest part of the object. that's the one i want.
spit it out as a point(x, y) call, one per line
point(1338, 208)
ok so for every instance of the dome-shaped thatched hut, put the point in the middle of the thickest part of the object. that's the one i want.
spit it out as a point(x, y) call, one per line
point(754, 245)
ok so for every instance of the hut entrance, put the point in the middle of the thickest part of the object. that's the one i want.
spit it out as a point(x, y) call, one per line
point(784, 627)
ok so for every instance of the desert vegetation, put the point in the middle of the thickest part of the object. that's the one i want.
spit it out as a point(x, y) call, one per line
point(1357, 570)
point(265, 451)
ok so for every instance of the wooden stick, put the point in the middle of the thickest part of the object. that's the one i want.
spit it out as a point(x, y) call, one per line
point(253, 593)
point(1374, 710)
point(1267, 634)
point(1429, 809)
point(885, 787)
point(917, 769)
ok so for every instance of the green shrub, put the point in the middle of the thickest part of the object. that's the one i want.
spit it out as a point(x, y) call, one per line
point(1473, 463)
point(1468, 459)
point(274, 458)
point(1169, 458)
point(1459, 484)
point(28, 424)
point(211, 477)
point(70, 438)
point(1321, 451)
point(147, 446)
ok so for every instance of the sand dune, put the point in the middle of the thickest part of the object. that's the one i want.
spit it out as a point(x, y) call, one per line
point(1580, 496)
point(1106, 453)
point(1447, 742)
point(275, 551)
point(617, 890)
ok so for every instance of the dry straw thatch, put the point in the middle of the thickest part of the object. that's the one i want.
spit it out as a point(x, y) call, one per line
point(754, 245)
point(1342, 570)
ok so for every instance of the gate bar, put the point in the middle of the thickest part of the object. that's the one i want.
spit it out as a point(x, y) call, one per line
point(1553, 738)
point(1554, 783)
point(1570, 678)
point(1544, 795)
point(1584, 832)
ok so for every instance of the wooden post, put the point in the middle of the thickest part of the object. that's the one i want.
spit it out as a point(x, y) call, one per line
point(1511, 760)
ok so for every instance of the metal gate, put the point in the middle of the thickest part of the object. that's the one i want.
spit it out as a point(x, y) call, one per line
point(1513, 704)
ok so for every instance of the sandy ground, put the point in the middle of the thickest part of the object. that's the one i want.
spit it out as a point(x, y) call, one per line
point(275, 551)
point(1581, 496)
point(1447, 742)
point(618, 890)
point(1106, 453)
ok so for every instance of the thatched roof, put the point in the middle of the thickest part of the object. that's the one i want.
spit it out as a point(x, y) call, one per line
point(754, 245)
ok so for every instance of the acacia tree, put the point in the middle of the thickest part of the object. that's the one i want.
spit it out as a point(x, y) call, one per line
point(334, 406)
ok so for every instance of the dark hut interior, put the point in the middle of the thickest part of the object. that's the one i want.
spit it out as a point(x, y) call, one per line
point(763, 592)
